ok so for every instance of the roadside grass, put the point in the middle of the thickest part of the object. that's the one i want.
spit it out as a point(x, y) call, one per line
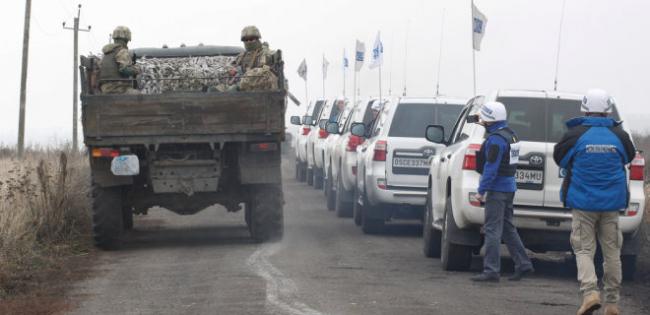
point(44, 220)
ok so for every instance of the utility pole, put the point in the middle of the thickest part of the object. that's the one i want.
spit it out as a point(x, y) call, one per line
point(23, 81)
point(75, 72)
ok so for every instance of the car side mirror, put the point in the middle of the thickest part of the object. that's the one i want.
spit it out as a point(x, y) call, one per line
point(306, 120)
point(435, 134)
point(332, 128)
point(322, 124)
point(358, 129)
point(295, 120)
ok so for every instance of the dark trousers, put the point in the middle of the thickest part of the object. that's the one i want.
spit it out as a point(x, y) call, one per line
point(499, 226)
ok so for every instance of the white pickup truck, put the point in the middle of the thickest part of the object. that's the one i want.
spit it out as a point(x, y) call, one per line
point(454, 216)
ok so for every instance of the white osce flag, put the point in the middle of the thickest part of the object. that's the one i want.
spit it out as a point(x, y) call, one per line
point(326, 64)
point(302, 69)
point(479, 22)
point(359, 56)
point(377, 53)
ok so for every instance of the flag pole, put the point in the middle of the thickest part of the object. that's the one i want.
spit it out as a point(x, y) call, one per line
point(390, 66)
point(380, 98)
point(343, 72)
point(324, 76)
point(559, 46)
point(473, 48)
point(406, 53)
point(306, 93)
point(442, 34)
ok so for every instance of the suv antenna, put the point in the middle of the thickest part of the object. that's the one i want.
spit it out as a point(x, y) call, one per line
point(559, 46)
point(442, 33)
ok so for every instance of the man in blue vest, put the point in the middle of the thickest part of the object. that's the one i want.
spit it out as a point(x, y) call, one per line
point(594, 152)
point(497, 162)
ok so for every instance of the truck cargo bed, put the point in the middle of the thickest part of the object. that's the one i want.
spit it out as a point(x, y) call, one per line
point(125, 118)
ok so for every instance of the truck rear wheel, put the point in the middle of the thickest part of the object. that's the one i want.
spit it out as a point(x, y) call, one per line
point(266, 213)
point(107, 216)
point(127, 217)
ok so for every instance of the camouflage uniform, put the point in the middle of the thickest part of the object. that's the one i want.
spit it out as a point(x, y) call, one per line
point(116, 66)
point(256, 63)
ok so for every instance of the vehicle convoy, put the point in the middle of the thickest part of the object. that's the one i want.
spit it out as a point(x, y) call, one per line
point(308, 123)
point(392, 165)
point(329, 113)
point(342, 161)
point(184, 150)
point(454, 216)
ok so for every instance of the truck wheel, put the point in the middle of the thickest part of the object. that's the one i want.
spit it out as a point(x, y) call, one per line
point(430, 236)
point(453, 256)
point(318, 178)
point(628, 264)
point(309, 176)
point(127, 217)
point(343, 209)
point(107, 216)
point(356, 207)
point(266, 216)
point(370, 225)
point(330, 194)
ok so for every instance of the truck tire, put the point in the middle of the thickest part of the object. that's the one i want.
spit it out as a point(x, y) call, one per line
point(356, 207)
point(127, 217)
point(266, 216)
point(107, 207)
point(343, 209)
point(318, 178)
point(330, 193)
point(430, 236)
point(453, 256)
point(309, 175)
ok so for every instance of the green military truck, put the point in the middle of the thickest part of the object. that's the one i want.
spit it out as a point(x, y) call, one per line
point(183, 151)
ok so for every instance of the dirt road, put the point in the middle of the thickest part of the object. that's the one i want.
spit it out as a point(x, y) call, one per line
point(206, 264)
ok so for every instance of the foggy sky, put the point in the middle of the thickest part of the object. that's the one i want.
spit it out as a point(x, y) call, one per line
point(604, 44)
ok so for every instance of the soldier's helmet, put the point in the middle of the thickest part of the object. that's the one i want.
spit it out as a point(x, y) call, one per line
point(250, 32)
point(122, 32)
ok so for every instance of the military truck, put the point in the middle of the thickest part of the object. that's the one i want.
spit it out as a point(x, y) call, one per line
point(183, 151)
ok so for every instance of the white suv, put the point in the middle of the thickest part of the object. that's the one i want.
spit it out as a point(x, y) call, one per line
point(330, 114)
point(307, 125)
point(393, 163)
point(454, 216)
point(341, 166)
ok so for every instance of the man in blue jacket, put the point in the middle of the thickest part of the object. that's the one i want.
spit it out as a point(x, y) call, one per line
point(594, 152)
point(497, 162)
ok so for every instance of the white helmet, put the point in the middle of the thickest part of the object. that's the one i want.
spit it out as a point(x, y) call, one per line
point(493, 111)
point(597, 101)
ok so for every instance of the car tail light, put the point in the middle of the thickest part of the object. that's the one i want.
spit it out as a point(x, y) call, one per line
point(637, 167)
point(474, 201)
point(305, 131)
point(469, 163)
point(353, 142)
point(264, 147)
point(381, 183)
point(381, 148)
point(105, 152)
point(632, 210)
point(322, 133)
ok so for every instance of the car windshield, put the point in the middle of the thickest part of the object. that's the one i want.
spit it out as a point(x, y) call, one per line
point(317, 108)
point(411, 120)
point(539, 119)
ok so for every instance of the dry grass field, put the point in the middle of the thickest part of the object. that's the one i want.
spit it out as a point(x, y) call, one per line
point(44, 219)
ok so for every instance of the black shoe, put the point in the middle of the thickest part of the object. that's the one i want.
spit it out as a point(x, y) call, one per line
point(519, 274)
point(485, 277)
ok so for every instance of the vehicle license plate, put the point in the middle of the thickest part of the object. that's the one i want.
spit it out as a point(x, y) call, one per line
point(529, 177)
point(410, 163)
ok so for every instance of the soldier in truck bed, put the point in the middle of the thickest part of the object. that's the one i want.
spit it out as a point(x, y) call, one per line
point(116, 68)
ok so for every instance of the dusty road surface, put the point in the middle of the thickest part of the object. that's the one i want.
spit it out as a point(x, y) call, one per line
point(206, 264)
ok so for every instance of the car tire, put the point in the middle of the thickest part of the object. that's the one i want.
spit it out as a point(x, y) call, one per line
point(309, 175)
point(108, 225)
point(453, 256)
point(343, 209)
point(318, 178)
point(302, 172)
point(431, 238)
point(330, 195)
point(356, 207)
point(370, 225)
point(628, 264)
